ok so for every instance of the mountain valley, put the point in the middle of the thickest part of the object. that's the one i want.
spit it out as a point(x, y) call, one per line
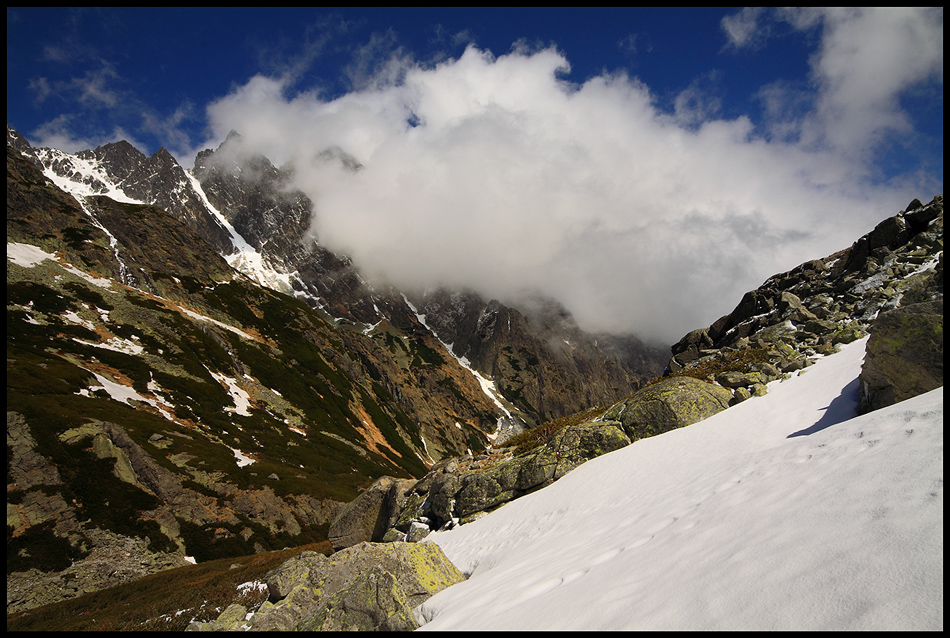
point(188, 378)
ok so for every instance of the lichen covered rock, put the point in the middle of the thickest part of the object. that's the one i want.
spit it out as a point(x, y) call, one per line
point(673, 403)
point(366, 587)
point(904, 355)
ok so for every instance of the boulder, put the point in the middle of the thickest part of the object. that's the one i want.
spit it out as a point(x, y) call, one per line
point(441, 500)
point(364, 518)
point(573, 446)
point(481, 491)
point(889, 233)
point(687, 349)
point(667, 405)
point(231, 619)
point(904, 355)
point(732, 379)
point(366, 587)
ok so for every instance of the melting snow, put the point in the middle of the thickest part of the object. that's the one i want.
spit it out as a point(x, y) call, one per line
point(242, 459)
point(242, 400)
point(28, 256)
point(237, 331)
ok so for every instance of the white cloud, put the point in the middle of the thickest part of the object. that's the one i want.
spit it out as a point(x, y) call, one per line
point(745, 28)
point(868, 57)
point(496, 174)
point(57, 134)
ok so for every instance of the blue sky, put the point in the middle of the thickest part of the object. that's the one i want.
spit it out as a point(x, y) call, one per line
point(730, 132)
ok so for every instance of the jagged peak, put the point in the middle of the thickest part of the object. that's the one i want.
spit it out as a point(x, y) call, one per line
point(162, 155)
point(16, 140)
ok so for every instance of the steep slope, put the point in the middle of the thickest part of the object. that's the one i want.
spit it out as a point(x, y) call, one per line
point(749, 520)
point(243, 205)
point(540, 360)
point(157, 397)
point(177, 348)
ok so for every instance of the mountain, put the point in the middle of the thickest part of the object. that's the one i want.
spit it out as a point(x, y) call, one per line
point(180, 387)
point(187, 377)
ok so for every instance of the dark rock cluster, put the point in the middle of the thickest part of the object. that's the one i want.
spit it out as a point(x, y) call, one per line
point(808, 311)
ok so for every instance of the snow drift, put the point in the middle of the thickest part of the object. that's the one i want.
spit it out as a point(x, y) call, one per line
point(783, 512)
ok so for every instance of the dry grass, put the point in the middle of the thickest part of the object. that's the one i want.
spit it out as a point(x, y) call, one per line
point(537, 436)
point(166, 601)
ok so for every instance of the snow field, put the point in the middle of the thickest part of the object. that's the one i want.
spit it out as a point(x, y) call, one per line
point(783, 512)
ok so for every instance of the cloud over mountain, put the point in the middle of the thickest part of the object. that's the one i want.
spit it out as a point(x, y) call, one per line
point(642, 211)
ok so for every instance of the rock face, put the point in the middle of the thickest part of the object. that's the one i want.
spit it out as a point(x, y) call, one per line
point(368, 516)
point(809, 310)
point(540, 360)
point(367, 587)
point(904, 355)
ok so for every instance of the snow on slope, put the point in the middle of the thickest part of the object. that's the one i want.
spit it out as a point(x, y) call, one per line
point(783, 512)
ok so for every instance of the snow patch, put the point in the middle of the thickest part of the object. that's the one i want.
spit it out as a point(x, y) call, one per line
point(242, 459)
point(242, 400)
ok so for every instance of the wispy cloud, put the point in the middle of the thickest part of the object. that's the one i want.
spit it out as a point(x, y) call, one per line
point(58, 133)
point(866, 59)
point(745, 28)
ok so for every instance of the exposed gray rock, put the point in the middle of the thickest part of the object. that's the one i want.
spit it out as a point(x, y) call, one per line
point(366, 587)
point(574, 445)
point(667, 405)
point(904, 355)
point(733, 379)
point(365, 518)
point(26, 468)
point(688, 348)
point(822, 303)
point(231, 619)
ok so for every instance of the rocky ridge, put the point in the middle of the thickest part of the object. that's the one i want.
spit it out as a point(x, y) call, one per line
point(893, 276)
point(807, 310)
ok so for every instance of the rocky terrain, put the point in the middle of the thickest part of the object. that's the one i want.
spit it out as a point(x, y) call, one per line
point(189, 377)
point(889, 283)
point(178, 387)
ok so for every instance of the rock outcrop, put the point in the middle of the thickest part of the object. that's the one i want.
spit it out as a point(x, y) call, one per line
point(904, 355)
point(808, 311)
point(366, 587)
point(460, 490)
point(667, 405)
point(368, 516)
